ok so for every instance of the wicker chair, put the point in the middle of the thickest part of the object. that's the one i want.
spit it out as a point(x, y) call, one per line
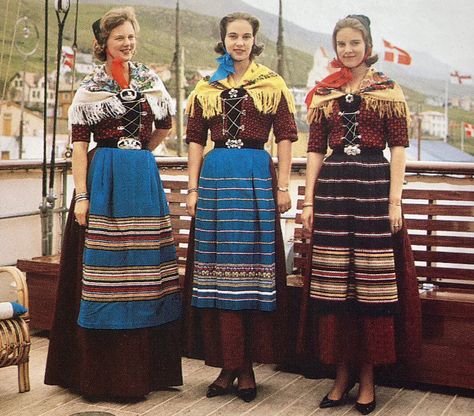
point(14, 333)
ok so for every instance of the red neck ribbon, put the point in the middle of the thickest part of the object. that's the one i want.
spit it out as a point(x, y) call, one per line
point(118, 72)
point(335, 80)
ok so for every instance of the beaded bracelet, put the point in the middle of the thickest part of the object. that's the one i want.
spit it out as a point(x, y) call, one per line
point(190, 190)
point(307, 204)
point(282, 189)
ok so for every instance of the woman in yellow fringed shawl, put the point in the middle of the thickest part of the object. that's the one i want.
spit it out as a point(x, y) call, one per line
point(361, 306)
point(235, 286)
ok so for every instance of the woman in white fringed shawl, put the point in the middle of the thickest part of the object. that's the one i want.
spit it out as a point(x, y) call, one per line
point(119, 306)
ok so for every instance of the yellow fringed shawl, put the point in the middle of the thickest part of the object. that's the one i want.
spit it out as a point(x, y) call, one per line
point(264, 86)
point(378, 92)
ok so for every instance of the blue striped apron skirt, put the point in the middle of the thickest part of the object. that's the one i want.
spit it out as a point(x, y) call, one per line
point(130, 275)
point(234, 265)
point(352, 256)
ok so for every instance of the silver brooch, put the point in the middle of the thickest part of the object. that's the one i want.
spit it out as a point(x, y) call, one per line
point(349, 98)
point(234, 143)
point(233, 93)
point(352, 150)
point(128, 94)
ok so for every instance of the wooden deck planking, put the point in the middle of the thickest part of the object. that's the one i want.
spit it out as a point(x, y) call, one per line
point(279, 394)
point(432, 404)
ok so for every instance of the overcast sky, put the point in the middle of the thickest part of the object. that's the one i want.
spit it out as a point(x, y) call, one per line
point(444, 28)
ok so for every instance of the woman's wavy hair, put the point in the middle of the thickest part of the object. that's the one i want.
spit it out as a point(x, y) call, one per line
point(254, 22)
point(108, 22)
point(361, 23)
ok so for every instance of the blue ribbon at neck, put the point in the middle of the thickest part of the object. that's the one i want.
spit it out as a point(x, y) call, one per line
point(225, 68)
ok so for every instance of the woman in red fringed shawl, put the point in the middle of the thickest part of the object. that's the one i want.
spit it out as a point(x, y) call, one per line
point(361, 307)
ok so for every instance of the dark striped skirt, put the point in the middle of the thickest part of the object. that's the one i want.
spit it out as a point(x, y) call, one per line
point(130, 276)
point(360, 302)
point(352, 259)
point(234, 265)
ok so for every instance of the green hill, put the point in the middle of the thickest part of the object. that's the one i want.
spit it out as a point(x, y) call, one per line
point(199, 34)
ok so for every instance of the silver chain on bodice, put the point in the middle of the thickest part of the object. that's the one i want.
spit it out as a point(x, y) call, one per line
point(351, 138)
point(232, 110)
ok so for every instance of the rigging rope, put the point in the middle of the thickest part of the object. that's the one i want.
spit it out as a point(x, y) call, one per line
point(3, 46)
point(45, 100)
point(73, 78)
point(10, 57)
point(61, 24)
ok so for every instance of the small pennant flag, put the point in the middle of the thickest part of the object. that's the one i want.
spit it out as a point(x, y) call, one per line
point(458, 78)
point(67, 59)
point(469, 130)
point(395, 54)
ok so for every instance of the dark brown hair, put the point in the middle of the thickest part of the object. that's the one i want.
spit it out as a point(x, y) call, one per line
point(254, 22)
point(109, 21)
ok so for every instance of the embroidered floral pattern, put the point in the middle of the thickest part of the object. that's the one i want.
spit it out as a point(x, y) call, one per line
point(141, 79)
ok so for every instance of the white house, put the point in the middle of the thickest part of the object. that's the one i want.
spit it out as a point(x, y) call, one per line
point(434, 123)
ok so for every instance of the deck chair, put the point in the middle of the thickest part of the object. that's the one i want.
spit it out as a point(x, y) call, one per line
point(14, 331)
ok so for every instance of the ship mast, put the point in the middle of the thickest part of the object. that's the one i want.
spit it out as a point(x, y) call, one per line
point(280, 47)
point(179, 78)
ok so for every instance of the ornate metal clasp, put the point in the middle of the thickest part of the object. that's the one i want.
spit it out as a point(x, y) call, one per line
point(352, 150)
point(234, 143)
point(128, 94)
point(129, 143)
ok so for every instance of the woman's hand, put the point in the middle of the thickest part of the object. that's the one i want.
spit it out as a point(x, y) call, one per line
point(191, 202)
point(307, 219)
point(283, 201)
point(395, 217)
point(81, 212)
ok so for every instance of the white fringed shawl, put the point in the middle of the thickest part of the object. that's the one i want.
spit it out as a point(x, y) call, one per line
point(96, 98)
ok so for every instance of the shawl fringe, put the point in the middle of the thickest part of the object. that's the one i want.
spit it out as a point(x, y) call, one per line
point(316, 114)
point(382, 107)
point(211, 104)
point(386, 108)
point(94, 112)
point(160, 106)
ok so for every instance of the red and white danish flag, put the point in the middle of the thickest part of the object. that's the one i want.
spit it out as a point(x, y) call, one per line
point(469, 130)
point(457, 78)
point(395, 54)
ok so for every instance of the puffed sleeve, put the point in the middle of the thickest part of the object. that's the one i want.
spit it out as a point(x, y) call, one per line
point(198, 127)
point(396, 129)
point(80, 133)
point(284, 124)
point(318, 136)
point(164, 123)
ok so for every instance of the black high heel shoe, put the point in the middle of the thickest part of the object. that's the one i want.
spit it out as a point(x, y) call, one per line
point(327, 402)
point(247, 395)
point(214, 390)
point(250, 393)
point(366, 408)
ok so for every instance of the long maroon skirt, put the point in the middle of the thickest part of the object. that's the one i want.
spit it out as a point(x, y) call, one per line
point(111, 363)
